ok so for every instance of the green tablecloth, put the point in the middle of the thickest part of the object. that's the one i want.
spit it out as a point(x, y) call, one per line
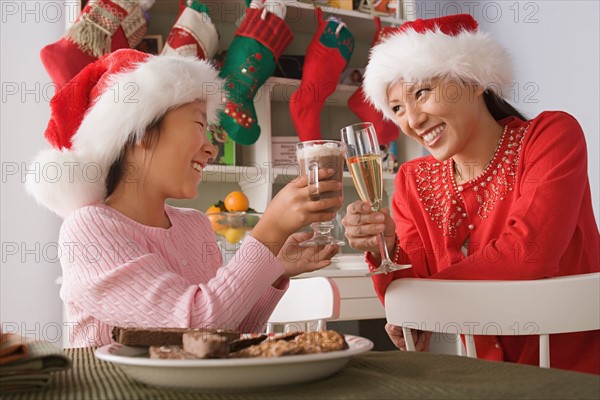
point(374, 375)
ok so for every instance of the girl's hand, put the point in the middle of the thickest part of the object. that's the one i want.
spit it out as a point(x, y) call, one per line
point(291, 209)
point(297, 260)
point(422, 339)
point(363, 225)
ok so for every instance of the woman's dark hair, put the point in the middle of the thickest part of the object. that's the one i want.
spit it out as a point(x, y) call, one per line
point(117, 170)
point(500, 108)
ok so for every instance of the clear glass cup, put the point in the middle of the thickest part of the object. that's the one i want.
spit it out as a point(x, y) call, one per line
point(231, 228)
point(364, 162)
point(314, 155)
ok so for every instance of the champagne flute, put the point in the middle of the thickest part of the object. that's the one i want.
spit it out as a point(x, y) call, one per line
point(364, 162)
point(312, 156)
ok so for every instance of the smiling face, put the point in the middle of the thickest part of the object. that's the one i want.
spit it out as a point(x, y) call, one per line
point(175, 160)
point(443, 116)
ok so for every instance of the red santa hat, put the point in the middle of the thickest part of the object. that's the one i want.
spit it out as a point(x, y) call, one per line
point(108, 103)
point(446, 47)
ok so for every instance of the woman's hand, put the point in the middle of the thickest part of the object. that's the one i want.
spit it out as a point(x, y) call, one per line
point(422, 339)
point(291, 209)
point(363, 225)
point(297, 260)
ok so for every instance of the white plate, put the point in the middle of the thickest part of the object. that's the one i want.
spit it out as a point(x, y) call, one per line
point(231, 372)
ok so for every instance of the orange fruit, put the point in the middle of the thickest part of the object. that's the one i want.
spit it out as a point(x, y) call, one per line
point(234, 235)
point(213, 209)
point(236, 201)
point(217, 222)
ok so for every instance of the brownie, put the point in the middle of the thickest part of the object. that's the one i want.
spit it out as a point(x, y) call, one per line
point(240, 344)
point(205, 345)
point(160, 336)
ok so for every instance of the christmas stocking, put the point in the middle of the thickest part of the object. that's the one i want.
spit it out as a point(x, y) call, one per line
point(386, 129)
point(326, 57)
point(251, 58)
point(102, 27)
point(193, 33)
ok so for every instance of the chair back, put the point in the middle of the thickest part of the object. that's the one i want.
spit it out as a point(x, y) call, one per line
point(307, 300)
point(533, 307)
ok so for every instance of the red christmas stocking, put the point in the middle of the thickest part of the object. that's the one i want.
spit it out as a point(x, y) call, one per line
point(193, 34)
point(386, 129)
point(250, 61)
point(102, 27)
point(326, 57)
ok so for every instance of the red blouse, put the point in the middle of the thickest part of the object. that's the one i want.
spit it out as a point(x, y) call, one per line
point(528, 215)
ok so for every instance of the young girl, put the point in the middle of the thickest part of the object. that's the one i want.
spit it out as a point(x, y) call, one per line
point(500, 197)
point(129, 132)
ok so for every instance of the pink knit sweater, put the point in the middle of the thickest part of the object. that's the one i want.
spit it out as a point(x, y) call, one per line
point(119, 272)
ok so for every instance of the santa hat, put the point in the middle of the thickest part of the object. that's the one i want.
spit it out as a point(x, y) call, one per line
point(446, 47)
point(108, 103)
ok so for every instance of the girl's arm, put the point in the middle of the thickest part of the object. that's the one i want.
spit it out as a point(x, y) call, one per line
point(119, 281)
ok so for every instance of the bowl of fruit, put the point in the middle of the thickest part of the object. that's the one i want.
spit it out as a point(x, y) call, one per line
point(232, 219)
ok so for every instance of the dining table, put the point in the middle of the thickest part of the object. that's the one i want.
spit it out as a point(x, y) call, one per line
point(371, 375)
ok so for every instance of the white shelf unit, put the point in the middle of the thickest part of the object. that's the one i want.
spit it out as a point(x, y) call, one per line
point(254, 173)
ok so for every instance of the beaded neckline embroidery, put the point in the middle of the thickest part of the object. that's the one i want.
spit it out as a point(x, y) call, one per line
point(442, 197)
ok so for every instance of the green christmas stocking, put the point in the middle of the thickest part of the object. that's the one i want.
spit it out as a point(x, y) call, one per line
point(250, 60)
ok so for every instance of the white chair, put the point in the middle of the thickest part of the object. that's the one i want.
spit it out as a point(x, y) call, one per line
point(540, 307)
point(306, 300)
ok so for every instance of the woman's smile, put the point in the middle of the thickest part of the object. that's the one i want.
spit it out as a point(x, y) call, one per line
point(432, 136)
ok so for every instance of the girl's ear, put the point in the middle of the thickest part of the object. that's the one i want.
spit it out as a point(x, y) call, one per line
point(478, 90)
point(142, 145)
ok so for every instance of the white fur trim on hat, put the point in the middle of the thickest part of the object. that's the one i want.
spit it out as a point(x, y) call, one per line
point(133, 100)
point(410, 56)
point(63, 182)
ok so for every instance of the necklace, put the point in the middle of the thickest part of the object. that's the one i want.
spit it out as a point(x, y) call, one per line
point(457, 171)
point(457, 175)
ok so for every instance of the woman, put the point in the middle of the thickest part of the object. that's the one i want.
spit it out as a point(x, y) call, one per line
point(129, 132)
point(500, 197)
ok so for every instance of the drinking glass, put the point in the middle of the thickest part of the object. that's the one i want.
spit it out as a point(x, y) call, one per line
point(364, 162)
point(312, 156)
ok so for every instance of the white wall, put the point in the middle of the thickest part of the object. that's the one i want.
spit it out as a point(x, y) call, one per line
point(555, 46)
point(29, 299)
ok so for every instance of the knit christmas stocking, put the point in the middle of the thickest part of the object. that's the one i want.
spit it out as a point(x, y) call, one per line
point(102, 27)
point(326, 57)
point(193, 33)
point(250, 60)
point(386, 130)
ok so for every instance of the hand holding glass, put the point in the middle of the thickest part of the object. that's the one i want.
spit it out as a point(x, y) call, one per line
point(312, 156)
point(364, 162)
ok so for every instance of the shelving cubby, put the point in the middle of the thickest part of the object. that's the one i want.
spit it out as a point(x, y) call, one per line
point(254, 172)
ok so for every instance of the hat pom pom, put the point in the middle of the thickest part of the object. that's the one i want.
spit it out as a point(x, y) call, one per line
point(62, 182)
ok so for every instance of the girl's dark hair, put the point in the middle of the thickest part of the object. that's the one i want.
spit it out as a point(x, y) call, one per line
point(500, 108)
point(117, 170)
